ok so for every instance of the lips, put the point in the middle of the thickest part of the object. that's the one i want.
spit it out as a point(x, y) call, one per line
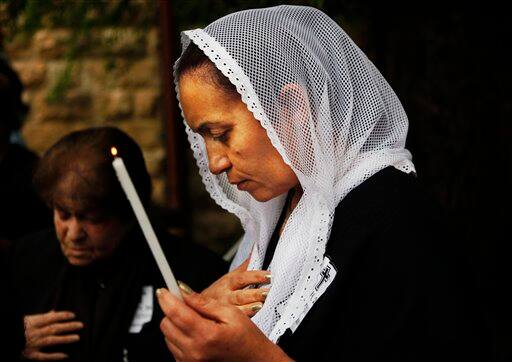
point(240, 184)
point(78, 251)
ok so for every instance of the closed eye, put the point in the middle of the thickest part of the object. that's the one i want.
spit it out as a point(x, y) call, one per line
point(63, 215)
point(223, 137)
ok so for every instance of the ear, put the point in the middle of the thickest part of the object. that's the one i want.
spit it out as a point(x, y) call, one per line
point(294, 103)
point(296, 123)
point(291, 95)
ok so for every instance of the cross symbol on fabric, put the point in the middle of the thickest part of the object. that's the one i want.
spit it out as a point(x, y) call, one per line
point(324, 275)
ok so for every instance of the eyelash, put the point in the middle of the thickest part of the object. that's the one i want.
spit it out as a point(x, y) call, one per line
point(221, 138)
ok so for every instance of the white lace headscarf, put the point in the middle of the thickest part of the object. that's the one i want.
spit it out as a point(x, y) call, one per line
point(331, 116)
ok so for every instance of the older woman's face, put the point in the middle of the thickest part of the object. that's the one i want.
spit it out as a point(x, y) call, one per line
point(235, 141)
point(85, 236)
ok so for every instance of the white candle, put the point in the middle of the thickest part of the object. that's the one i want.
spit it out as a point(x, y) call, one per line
point(145, 225)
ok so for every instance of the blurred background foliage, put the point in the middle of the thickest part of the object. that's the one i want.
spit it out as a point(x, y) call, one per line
point(20, 19)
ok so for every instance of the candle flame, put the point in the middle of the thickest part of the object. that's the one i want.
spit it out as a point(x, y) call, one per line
point(113, 150)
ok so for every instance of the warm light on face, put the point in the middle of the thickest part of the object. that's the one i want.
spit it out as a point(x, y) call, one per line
point(113, 151)
point(236, 143)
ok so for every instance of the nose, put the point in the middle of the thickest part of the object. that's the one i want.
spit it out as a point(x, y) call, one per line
point(75, 230)
point(218, 162)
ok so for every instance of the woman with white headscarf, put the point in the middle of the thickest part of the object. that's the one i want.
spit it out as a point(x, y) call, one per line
point(298, 134)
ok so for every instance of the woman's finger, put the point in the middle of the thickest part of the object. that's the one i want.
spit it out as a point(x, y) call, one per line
point(41, 356)
point(40, 320)
point(184, 288)
point(55, 340)
point(61, 328)
point(210, 309)
point(247, 296)
point(244, 265)
point(250, 277)
point(176, 352)
point(251, 309)
point(173, 334)
point(179, 313)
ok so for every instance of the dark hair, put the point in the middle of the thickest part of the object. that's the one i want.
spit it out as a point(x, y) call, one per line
point(12, 108)
point(194, 60)
point(84, 159)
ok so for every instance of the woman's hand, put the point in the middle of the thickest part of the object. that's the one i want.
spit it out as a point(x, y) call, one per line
point(49, 329)
point(229, 289)
point(199, 329)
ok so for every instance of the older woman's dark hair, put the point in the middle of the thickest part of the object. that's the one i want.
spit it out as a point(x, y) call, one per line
point(194, 60)
point(82, 160)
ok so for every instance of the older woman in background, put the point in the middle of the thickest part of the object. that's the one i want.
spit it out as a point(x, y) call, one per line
point(86, 287)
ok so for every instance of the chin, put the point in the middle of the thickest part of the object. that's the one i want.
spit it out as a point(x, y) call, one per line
point(79, 262)
point(262, 195)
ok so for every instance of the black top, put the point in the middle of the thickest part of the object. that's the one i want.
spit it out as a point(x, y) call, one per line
point(396, 295)
point(21, 211)
point(106, 296)
point(12, 336)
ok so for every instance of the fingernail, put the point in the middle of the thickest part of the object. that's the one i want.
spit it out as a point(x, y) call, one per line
point(159, 292)
point(268, 277)
point(264, 293)
point(257, 307)
point(185, 288)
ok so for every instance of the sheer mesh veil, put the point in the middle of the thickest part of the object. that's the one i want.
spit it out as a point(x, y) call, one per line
point(330, 114)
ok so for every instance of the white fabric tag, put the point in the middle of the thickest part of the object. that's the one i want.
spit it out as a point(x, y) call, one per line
point(144, 310)
point(326, 277)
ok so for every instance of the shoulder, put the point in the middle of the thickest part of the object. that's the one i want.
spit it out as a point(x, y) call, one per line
point(389, 210)
point(387, 190)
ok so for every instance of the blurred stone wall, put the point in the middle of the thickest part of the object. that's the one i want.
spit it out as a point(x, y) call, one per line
point(115, 80)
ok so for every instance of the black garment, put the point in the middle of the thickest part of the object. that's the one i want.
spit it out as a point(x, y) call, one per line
point(12, 337)
point(21, 210)
point(396, 295)
point(105, 296)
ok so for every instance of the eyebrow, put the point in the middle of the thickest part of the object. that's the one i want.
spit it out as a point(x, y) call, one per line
point(205, 127)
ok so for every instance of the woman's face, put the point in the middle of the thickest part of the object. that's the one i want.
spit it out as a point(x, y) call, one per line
point(85, 236)
point(235, 141)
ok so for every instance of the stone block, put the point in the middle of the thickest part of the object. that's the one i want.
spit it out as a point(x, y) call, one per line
point(119, 104)
point(19, 47)
point(146, 102)
point(51, 43)
point(76, 105)
point(55, 69)
point(155, 159)
point(119, 42)
point(142, 73)
point(40, 136)
point(31, 72)
point(153, 42)
point(147, 133)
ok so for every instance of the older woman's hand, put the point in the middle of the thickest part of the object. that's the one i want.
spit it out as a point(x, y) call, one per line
point(199, 329)
point(232, 289)
point(49, 329)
